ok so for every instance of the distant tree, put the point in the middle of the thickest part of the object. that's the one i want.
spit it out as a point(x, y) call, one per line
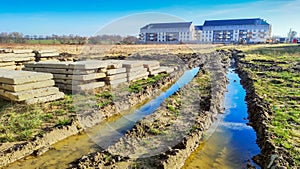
point(130, 40)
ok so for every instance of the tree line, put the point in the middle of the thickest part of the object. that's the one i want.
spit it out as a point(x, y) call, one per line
point(17, 37)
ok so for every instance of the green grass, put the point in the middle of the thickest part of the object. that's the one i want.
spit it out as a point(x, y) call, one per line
point(138, 86)
point(281, 90)
point(19, 122)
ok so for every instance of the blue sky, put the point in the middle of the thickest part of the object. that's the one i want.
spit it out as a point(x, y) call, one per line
point(80, 17)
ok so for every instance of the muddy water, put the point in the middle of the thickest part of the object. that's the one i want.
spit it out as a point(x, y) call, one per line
point(232, 144)
point(104, 134)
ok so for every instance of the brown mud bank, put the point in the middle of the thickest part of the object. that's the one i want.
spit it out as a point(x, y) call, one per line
point(11, 152)
point(165, 138)
point(259, 117)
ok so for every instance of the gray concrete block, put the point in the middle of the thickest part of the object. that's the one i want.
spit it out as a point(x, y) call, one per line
point(89, 64)
point(132, 64)
point(25, 95)
point(46, 55)
point(44, 99)
point(21, 51)
point(47, 51)
point(12, 67)
point(49, 64)
point(115, 71)
point(27, 86)
point(148, 64)
point(22, 77)
point(114, 64)
point(117, 81)
point(80, 77)
point(2, 64)
point(139, 76)
point(116, 76)
point(90, 86)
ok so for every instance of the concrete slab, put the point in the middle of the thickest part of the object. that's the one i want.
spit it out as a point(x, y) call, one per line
point(117, 81)
point(22, 77)
point(44, 99)
point(72, 82)
point(12, 67)
point(114, 64)
point(62, 71)
point(116, 76)
point(89, 64)
point(136, 69)
point(132, 64)
point(115, 71)
point(142, 75)
point(27, 86)
point(10, 63)
point(19, 51)
point(90, 86)
point(153, 68)
point(47, 51)
point(49, 64)
point(88, 77)
point(167, 70)
point(25, 95)
point(84, 87)
point(148, 64)
point(137, 72)
point(47, 55)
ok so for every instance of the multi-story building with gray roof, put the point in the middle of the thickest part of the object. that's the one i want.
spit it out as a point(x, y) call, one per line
point(175, 32)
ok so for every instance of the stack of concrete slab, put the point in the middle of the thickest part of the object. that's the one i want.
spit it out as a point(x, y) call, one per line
point(28, 87)
point(154, 68)
point(135, 70)
point(76, 76)
point(115, 73)
point(44, 55)
point(15, 59)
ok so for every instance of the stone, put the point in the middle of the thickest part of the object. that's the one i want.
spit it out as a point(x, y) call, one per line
point(25, 95)
point(115, 71)
point(44, 99)
point(27, 86)
point(21, 77)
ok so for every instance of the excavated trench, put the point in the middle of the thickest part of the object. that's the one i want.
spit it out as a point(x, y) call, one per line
point(104, 134)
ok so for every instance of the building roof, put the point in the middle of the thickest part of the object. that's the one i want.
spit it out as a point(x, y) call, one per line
point(199, 27)
point(167, 25)
point(253, 21)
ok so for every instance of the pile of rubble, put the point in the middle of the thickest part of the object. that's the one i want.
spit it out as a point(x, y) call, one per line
point(28, 87)
point(15, 59)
